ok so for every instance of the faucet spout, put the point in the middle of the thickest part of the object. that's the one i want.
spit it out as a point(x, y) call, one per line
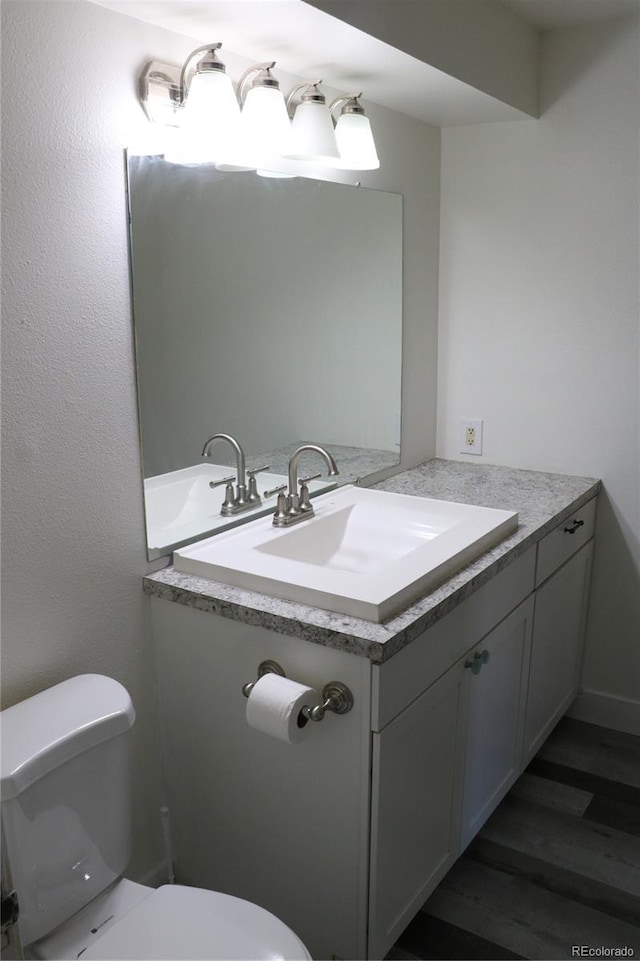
point(295, 457)
point(240, 458)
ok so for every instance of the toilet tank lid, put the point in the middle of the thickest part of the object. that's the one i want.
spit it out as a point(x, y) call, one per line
point(41, 733)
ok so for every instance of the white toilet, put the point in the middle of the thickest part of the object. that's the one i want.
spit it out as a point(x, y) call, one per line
point(66, 826)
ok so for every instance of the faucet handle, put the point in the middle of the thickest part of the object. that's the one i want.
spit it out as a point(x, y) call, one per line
point(228, 502)
point(282, 504)
point(223, 480)
point(305, 503)
point(275, 490)
point(252, 494)
point(305, 480)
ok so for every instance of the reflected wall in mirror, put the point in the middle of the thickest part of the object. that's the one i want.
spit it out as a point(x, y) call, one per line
point(267, 309)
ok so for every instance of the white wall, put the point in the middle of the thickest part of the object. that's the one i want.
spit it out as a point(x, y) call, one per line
point(538, 329)
point(73, 533)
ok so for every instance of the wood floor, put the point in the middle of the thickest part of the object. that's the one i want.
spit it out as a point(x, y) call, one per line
point(555, 868)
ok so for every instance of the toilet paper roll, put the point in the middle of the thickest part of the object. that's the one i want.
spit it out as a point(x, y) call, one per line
point(274, 707)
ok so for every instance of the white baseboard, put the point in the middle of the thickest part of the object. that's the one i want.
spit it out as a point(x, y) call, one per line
point(616, 713)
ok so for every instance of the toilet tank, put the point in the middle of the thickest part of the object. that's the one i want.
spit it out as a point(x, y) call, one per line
point(65, 783)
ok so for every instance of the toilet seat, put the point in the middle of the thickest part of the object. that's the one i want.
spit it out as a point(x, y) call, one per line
point(178, 922)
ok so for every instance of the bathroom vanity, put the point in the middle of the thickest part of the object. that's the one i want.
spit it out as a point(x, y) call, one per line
point(345, 834)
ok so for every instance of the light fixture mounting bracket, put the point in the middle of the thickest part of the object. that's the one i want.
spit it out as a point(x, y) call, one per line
point(160, 90)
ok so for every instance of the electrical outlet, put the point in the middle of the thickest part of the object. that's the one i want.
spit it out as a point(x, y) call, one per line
point(471, 437)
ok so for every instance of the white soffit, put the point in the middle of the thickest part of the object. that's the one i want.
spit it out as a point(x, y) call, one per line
point(311, 44)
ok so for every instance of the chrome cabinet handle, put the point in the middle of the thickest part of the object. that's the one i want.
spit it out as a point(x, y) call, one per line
point(477, 661)
point(574, 527)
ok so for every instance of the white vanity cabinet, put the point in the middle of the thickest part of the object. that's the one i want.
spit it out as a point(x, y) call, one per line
point(443, 762)
point(563, 573)
point(346, 834)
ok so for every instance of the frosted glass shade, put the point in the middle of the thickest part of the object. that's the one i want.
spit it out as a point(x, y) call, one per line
point(312, 134)
point(209, 120)
point(265, 129)
point(355, 142)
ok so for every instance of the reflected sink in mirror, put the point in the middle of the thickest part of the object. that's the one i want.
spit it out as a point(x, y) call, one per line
point(180, 505)
point(229, 328)
point(366, 553)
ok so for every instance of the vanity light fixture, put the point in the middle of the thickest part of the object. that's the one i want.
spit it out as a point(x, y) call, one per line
point(253, 131)
point(353, 135)
point(312, 133)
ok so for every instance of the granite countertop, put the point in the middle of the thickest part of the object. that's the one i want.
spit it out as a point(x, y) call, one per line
point(354, 462)
point(542, 501)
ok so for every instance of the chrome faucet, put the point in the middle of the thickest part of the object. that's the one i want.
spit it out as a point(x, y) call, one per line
point(293, 506)
point(243, 498)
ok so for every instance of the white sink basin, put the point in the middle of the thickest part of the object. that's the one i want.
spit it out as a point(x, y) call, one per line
point(366, 553)
point(180, 505)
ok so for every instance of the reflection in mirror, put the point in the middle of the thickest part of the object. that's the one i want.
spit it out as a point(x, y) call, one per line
point(267, 309)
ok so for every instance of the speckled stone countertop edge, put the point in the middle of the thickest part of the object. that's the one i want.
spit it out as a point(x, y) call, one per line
point(445, 480)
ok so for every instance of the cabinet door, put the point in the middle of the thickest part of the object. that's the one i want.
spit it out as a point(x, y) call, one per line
point(415, 799)
point(556, 649)
point(496, 683)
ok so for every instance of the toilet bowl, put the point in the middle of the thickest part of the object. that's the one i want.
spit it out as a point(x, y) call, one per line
point(65, 778)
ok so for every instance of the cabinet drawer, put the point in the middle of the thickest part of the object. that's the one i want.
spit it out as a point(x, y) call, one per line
point(406, 675)
point(567, 538)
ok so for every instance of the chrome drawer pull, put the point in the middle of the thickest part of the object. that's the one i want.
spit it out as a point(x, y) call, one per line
point(574, 527)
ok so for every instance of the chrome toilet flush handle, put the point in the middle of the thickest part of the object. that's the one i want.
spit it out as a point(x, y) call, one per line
point(336, 696)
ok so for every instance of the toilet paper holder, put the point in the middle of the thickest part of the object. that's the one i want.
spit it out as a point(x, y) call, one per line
point(336, 696)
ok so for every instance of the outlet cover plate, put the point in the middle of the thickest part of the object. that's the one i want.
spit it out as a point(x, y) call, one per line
point(470, 436)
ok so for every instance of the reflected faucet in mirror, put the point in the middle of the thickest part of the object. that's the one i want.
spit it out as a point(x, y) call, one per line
point(243, 498)
point(293, 507)
point(197, 373)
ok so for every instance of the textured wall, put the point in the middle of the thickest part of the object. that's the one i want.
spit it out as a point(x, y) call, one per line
point(73, 542)
point(73, 533)
point(538, 330)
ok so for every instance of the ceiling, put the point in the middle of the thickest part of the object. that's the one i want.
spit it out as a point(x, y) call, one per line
point(309, 44)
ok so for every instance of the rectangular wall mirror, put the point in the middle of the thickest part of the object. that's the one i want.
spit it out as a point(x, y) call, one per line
point(268, 309)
